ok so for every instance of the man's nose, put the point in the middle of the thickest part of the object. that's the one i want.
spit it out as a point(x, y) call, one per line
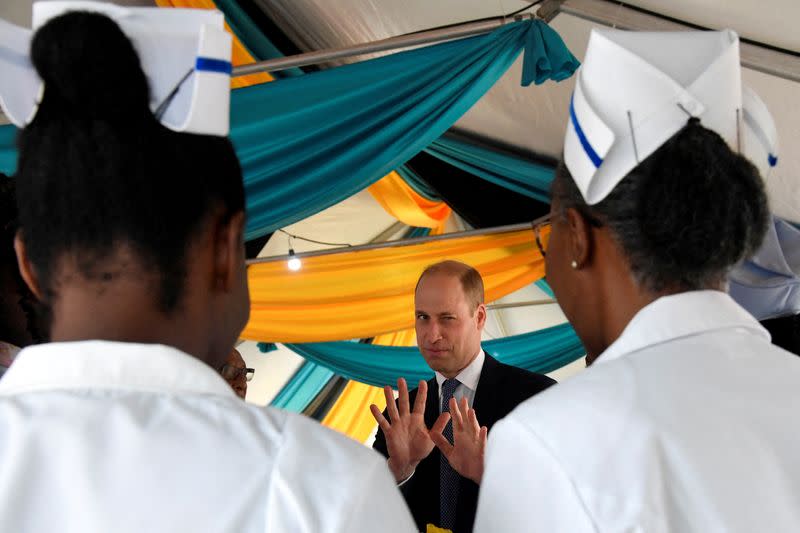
point(434, 332)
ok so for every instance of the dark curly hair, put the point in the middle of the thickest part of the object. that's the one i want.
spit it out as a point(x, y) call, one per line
point(97, 170)
point(685, 215)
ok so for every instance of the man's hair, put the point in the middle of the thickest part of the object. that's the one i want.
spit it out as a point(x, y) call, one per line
point(685, 215)
point(471, 281)
point(97, 171)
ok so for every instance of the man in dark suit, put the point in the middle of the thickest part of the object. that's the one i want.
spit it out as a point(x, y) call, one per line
point(450, 315)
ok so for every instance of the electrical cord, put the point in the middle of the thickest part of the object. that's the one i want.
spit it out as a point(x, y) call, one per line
point(313, 240)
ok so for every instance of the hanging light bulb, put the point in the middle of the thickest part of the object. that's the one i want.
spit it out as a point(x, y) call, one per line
point(294, 262)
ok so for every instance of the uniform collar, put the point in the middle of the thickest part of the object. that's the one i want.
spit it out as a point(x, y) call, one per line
point(681, 315)
point(111, 365)
point(470, 376)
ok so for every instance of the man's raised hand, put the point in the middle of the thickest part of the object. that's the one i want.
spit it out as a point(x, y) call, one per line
point(407, 437)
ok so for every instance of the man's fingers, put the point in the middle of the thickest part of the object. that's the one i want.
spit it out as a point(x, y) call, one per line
point(473, 421)
point(438, 438)
point(484, 433)
point(391, 407)
point(402, 396)
point(455, 412)
point(422, 395)
point(382, 422)
point(441, 422)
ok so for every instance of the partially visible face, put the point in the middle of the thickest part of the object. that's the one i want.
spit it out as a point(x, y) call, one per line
point(448, 329)
point(231, 309)
point(556, 263)
point(239, 383)
point(572, 295)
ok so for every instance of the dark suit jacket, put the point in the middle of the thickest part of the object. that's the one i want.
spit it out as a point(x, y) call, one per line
point(500, 388)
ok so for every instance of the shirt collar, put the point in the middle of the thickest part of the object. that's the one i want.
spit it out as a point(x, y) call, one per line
point(471, 374)
point(681, 315)
point(111, 365)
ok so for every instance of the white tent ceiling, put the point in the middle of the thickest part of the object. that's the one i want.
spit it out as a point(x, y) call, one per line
point(533, 119)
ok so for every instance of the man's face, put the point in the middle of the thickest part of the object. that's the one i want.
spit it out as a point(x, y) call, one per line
point(448, 329)
point(238, 383)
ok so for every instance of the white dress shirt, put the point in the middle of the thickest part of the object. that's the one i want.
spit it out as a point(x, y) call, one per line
point(687, 423)
point(468, 380)
point(103, 436)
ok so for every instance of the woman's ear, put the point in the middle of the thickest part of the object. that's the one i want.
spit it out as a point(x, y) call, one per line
point(581, 239)
point(26, 269)
point(229, 251)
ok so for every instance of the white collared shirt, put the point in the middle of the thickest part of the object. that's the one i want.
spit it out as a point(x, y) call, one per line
point(468, 380)
point(103, 436)
point(688, 422)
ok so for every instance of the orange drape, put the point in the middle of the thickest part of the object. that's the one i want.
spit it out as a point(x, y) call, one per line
point(403, 202)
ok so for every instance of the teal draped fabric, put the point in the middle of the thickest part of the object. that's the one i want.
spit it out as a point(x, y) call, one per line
point(419, 185)
point(303, 387)
point(540, 351)
point(307, 143)
point(415, 233)
point(514, 173)
point(8, 149)
point(542, 284)
point(252, 37)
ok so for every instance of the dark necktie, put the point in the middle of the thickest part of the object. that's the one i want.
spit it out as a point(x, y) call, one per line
point(448, 478)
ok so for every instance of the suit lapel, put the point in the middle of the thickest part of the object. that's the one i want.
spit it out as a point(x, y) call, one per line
point(484, 404)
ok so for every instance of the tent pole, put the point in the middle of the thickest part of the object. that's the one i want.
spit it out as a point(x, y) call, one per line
point(401, 41)
point(513, 305)
point(406, 242)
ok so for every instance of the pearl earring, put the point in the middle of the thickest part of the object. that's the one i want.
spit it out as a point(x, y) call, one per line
point(574, 264)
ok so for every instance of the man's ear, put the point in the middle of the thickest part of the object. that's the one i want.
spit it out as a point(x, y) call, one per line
point(26, 269)
point(481, 315)
point(580, 245)
point(228, 251)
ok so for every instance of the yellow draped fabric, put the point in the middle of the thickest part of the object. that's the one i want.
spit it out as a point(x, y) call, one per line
point(240, 54)
point(353, 295)
point(403, 202)
point(350, 414)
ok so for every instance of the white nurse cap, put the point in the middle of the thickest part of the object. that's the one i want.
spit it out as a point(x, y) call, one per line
point(184, 49)
point(635, 90)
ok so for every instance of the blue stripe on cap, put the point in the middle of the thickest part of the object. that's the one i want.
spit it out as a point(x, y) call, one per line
point(207, 64)
point(596, 159)
point(773, 160)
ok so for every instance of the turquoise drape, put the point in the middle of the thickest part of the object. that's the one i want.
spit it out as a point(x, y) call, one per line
point(542, 284)
point(511, 172)
point(419, 185)
point(8, 149)
point(252, 37)
point(540, 351)
point(307, 143)
point(302, 387)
